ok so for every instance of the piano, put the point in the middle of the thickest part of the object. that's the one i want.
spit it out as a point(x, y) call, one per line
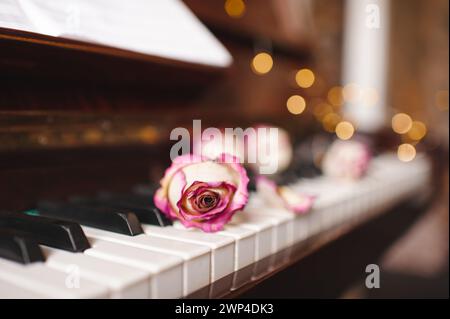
point(84, 131)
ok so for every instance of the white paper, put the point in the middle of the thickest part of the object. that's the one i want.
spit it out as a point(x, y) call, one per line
point(165, 28)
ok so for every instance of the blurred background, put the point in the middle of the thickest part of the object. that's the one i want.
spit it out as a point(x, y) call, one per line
point(332, 68)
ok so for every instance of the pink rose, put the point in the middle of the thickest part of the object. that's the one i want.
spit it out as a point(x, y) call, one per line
point(346, 160)
point(201, 192)
point(283, 196)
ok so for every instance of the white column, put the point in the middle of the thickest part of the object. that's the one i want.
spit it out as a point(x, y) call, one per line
point(365, 60)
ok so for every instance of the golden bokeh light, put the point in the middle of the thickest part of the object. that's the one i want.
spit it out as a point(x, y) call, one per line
point(296, 104)
point(235, 8)
point(330, 121)
point(262, 63)
point(335, 96)
point(417, 131)
point(305, 78)
point(344, 130)
point(401, 123)
point(322, 109)
point(93, 136)
point(406, 152)
point(148, 134)
point(441, 100)
point(369, 97)
point(351, 92)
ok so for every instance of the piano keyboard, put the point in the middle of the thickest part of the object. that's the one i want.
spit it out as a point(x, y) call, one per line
point(119, 246)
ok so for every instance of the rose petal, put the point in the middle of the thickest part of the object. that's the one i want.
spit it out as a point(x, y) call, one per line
point(240, 198)
point(224, 177)
point(283, 196)
point(219, 209)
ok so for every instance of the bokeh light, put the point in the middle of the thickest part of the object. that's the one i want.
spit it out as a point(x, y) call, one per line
point(351, 92)
point(417, 131)
point(92, 136)
point(305, 78)
point(148, 134)
point(330, 121)
point(401, 123)
point(262, 63)
point(235, 8)
point(335, 96)
point(344, 130)
point(321, 109)
point(406, 152)
point(296, 104)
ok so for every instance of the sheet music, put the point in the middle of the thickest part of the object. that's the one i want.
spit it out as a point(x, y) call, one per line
point(163, 28)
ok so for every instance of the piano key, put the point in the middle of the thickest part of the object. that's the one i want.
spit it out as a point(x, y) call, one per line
point(37, 280)
point(282, 219)
point(245, 243)
point(47, 231)
point(197, 258)
point(17, 247)
point(222, 247)
point(165, 270)
point(282, 223)
point(122, 281)
point(301, 227)
point(116, 220)
point(264, 231)
point(148, 213)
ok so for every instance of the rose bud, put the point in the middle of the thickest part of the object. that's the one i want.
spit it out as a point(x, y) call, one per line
point(283, 196)
point(348, 160)
point(201, 192)
point(280, 153)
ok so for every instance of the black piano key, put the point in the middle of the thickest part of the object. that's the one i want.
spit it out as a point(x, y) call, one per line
point(139, 200)
point(16, 246)
point(122, 221)
point(47, 231)
point(142, 206)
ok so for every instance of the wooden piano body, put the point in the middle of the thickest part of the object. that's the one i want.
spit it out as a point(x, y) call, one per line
point(77, 119)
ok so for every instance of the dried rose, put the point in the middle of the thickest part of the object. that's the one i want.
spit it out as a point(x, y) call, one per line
point(283, 196)
point(202, 192)
point(346, 160)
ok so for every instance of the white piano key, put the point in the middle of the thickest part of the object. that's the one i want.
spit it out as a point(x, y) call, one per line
point(222, 247)
point(300, 232)
point(121, 280)
point(37, 280)
point(265, 233)
point(197, 259)
point(282, 220)
point(166, 280)
point(244, 241)
point(245, 245)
